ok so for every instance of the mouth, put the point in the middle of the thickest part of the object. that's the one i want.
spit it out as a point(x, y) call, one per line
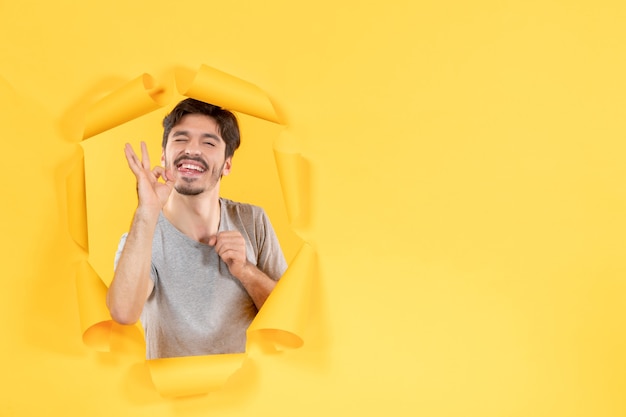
point(189, 166)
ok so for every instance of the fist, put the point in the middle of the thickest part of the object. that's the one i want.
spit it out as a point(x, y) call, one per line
point(231, 248)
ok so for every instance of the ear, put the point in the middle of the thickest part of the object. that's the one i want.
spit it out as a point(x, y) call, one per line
point(163, 158)
point(228, 164)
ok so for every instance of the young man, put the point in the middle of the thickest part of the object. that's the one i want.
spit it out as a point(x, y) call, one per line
point(194, 267)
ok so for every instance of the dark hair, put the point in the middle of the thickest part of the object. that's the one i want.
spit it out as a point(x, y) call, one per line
point(226, 121)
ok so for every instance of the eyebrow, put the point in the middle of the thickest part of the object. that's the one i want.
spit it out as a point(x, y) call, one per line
point(204, 135)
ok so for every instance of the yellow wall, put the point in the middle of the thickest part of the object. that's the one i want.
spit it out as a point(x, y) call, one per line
point(466, 198)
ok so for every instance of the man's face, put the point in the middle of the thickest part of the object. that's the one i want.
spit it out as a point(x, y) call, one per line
point(195, 155)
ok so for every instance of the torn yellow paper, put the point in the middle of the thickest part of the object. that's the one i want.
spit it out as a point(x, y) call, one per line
point(140, 96)
point(281, 322)
point(193, 375)
point(95, 320)
point(295, 181)
point(217, 87)
point(77, 204)
point(284, 316)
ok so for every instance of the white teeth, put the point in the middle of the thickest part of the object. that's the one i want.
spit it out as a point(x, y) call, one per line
point(194, 167)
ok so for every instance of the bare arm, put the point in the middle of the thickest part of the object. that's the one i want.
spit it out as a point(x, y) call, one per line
point(231, 247)
point(257, 283)
point(131, 283)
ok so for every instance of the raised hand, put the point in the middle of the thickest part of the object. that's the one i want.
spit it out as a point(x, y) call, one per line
point(152, 193)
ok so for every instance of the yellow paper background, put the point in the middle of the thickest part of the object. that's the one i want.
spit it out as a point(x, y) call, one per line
point(465, 200)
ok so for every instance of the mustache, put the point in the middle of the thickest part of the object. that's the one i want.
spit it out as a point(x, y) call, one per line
point(197, 159)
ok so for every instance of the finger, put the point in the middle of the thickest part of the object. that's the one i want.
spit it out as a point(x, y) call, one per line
point(229, 254)
point(228, 234)
point(132, 159)
point(159, 172)
point(145, 157)
point(219, 242)
point(229, 241)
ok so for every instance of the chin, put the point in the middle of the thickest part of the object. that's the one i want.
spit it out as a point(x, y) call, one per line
point(188, 190)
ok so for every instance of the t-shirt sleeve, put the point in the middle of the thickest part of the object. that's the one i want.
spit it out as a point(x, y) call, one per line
point(270, 258)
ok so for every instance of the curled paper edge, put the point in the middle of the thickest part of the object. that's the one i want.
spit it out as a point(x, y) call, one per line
point(285, 314)
point(216, 87)
point(294, 176)
point(95, 320)
point(77, 204)
point(134, 99)
point(193, 375)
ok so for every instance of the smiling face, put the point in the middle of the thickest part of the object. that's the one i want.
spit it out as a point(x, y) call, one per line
point(195, 154)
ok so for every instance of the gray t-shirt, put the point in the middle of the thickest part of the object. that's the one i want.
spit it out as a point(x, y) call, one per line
point(197, 307)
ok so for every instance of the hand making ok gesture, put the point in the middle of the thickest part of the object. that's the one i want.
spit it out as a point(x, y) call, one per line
point(151, 193)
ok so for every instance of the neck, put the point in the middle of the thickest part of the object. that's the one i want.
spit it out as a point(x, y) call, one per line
point(196, 216)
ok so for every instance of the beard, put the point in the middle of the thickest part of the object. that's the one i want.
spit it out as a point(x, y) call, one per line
point(189, 186)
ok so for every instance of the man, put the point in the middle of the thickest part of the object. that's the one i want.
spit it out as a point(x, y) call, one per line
point(194, 267)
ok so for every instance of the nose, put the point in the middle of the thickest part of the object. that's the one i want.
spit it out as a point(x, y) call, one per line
point(191, 148)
